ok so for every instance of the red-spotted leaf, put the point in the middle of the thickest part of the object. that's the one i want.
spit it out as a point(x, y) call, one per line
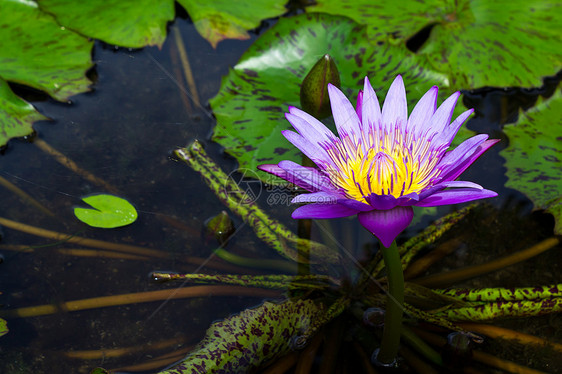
point(245, 341)
point(475, 43)
point(534, 156)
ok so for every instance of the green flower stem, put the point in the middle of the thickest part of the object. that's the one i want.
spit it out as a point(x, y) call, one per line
point(394, 305)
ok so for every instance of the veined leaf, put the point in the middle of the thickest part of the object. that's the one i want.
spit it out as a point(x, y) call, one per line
point(247, 340)
point(133, 24)
point(38, 52)
point(16, 115)
point(534, 156)
point(476, 43)
point(226, 19)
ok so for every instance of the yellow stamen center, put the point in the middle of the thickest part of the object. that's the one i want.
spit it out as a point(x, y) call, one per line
point(390, 164)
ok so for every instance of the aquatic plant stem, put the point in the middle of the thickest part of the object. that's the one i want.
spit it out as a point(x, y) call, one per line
point(394, 305)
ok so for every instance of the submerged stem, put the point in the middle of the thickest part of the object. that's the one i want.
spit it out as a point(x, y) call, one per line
point(394, 305)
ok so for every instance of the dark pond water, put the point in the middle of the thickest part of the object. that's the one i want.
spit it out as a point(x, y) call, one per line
point(123, 133)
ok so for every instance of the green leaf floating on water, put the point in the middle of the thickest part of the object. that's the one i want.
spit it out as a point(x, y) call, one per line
point(109, 212)
point(3, 327)
point(534, 156)
point(253, 98)
point(133, 24)
point(38, 52)
point(476, 43)
point(250, 339)
point(16, 115)
point(226, 19)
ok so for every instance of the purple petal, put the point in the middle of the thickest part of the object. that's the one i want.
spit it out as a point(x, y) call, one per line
point(314, 125)
point(370, 109)
point(317, 197)
point(354, 204)
point(313, 151)
point(385, 202)
point(442, 116)
point(461, 184)
point(447, 136)
point(323, 211)
point(381, 202)
point(345, 117)
point(395, 107)
point(359, 106)
point(423, 111)
point(456, 196)
point(387, 224)
point(454, 171)
point(453, 158)
point(308, 178)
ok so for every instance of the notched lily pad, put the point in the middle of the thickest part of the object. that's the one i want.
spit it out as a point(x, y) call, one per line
point(109, 212)
point(250, 339)
point(3, 327)
point(253, 98)
point(476, 43)
point(226, 19)
point(534, 156)
point(38, 52)
point(16, 115)
point(133, 24)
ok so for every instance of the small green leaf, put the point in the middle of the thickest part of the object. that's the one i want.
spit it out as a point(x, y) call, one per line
point(250, 339)
point(3, 327)
point(110, 211)
point(38, 52)
point(16, 115)
point(126, 23)
point(226, 19)
point(534, 156)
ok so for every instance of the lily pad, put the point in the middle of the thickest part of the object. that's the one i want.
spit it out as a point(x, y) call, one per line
point(476, 43)
point(534, 156)
point(133, 24)
point(38, 52)
point(3, 327)
point(253, 97)
point(250, 339)
point(16, 115)
point(109, 212)
point(226, 19)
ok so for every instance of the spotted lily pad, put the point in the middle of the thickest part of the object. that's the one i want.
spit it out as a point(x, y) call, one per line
point(16, 115)
point(3, 327)
point(126, 23)
point(250, 339)
point(38, 52)
point(109, 212)
point(534, 156)
point(253, 97)
point(475, 43)
point(226, 19)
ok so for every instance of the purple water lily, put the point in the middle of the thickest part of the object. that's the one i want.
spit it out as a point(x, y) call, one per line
point(383, 162)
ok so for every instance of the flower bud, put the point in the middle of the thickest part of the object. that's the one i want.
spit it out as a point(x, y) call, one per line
point(220, 227)
point(314, 88)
